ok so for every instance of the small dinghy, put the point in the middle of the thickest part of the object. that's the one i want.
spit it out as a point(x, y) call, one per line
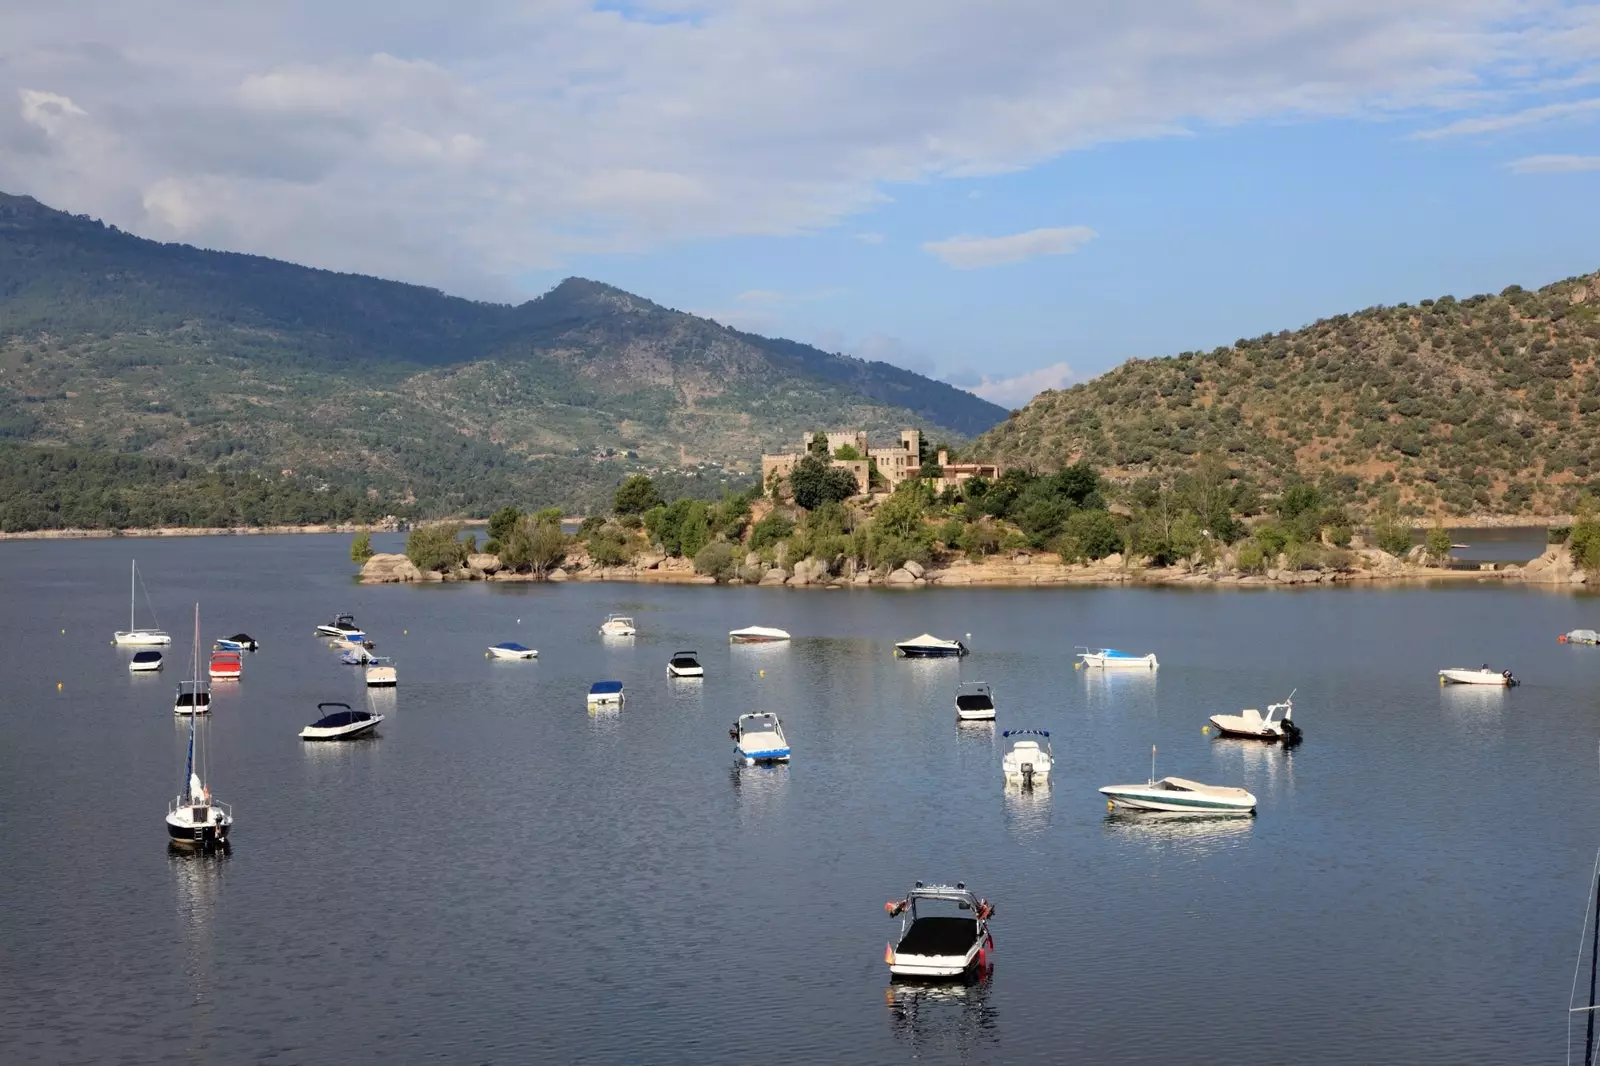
point(355, 656)
point(685, 664)
point(225, 666)
point(1579, 636)
point(929, 646)
point(759, 738)
point(1484, 675)
point(944, 933)
point(237, 642)
point(617, 625)
point(756, 635)
point(1276, 724)
point(1112, 659)
point(605, 694)
point(1027, 762)
point(144, 661)
point(1179, 794)
point(512, 650)
point(381, 672)
point(337, 721)
point(194, 697)
point(343, 625)
point(974, 702)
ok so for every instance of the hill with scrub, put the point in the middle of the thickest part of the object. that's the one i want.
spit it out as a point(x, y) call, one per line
point(1486, 404)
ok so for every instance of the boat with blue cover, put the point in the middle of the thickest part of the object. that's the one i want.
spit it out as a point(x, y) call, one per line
point(759, 738)
point(1111, 658)
point(510, 649)
point(237, 642)
point(143, 661)
point(605, 694)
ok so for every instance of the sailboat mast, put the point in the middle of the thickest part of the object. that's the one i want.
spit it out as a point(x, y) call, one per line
point(194, 707)
point(133, 577)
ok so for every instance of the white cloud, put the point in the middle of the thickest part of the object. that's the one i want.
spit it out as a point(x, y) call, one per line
point(972, 253)
point(467, 146)
point(868, 237)
point(1529, 116)
point(1555, 164)
point(1016, 391)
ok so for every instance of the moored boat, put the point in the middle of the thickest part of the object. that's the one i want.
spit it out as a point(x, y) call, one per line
point(758, 738)
point(756, 635)
point(1027, 762)
point(974, 702)
point(343, 625)
point(336, 721)
point(194, 697)
point(144, 661)
point(510, 649)
point(1112, 659)
point(928, 646)
point(237, 642)
point(1579, 636)
point(944, 933)
point(381, 673)
point(618, 625)
point(1276, 724)
point(195, 819)
point(685, 664)
point(355, 656)
point(605, 694)
point(1179, 795)
point(134, 636)
point(225, 666)
point(1484, 675)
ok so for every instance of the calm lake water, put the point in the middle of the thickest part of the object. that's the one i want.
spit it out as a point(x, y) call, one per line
point(502, 876)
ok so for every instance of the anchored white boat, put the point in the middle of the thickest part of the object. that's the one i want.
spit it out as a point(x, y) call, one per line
point(605, 694)
point(336, 721)
point(356, 656)
point(759, 738)
point(1276, 724)
point(133, 635)
point(195, 819)
point(1485, 675)
point(1579, 636)
point(944, 932)
point(344, 626)
point(237, 642)
point(512, 650)
point(225, 666)
point(617, 625)
point(144, 661)
point(974, 702)
point(1112, 659)
point(380, 672)
point(1179, 794)
point(1027, 762)
point(756, 635)
point(685, 664)
point(194, 697)
point(929, 646)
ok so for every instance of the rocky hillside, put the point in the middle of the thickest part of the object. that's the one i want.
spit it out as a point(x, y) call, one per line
point(1483, 404)
point(246, 364)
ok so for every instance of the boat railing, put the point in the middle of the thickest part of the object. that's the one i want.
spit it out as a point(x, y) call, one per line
point(183, 799)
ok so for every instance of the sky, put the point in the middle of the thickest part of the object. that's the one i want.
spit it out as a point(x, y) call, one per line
point(1011, 195)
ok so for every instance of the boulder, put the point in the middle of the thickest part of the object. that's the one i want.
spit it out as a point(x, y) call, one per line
point(752, 559)
point(863, 577)
point(483, 562)
point(800, 578)
point(775, 576)
point(913, 568)
point(384, 568)
point(557, 574)
point(1114, 559)
point(649, 560)
point(901, 576)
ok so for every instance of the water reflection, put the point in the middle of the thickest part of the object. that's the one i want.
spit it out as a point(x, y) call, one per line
point(1201, 833)
point(197, 880)
point(945, 1021)
point(1256, 759)
point(1027, 808)
point(1112, 689)
point(759, 790)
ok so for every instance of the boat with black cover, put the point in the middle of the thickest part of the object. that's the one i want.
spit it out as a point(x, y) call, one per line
point(944, 933)
point(338, 721)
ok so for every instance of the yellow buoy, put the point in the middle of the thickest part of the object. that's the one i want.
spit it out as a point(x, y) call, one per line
point(63, 632)
point(58, 686)
point(407, 633)
point(1077, 666)
point(763, 673)
point(1110, 806)
point(1206, 730)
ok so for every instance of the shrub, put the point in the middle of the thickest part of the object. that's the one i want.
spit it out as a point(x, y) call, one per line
point(608, 547)
point(979, 539)
point(502, 522)
point(434, 546)
point(637, 495)
point(1251, 560)
point(1438, 542)
point(361, 547)
point(1391, 535)
point(1094, 533)
point(535, 546)
point(716, 560)
point(770, 530)
point(492, 546)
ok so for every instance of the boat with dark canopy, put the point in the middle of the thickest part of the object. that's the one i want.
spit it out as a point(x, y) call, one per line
point(339, 722)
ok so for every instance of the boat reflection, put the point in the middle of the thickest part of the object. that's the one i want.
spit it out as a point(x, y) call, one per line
point(197, 880)
point(383, 701)
point(1201, 831)
point(1027, 808)
point(944, 1021)
point(759, 789)
point(1111, 689)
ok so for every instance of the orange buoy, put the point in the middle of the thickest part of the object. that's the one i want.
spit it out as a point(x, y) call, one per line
point(888, 954)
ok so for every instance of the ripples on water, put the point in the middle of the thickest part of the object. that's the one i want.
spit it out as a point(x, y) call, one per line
point(503, 874)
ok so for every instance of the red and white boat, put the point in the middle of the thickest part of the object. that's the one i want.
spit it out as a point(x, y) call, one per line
point(226, 666)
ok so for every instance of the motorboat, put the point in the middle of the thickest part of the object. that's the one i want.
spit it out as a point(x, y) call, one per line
point(1112, 659)
point(133, 635)
point(196, 819)
point(756, 635)
point(974, 702)
point(1027, 761)
point(685, 664)
point(944, 932)
point(1276, 724)
point(343, 625)
point(1179, 794)
point(356, 642)
point(1484, 675)
point(336, 721)
point(355, 656)
point(617, 625)
point(929, 646)
point(225, 666)
point(605, 694)
point(237, 642)
point(194, 697)
point(759, 738)
point(512, 650)
point(1580, 636)
point(381, 672)
point(144, 661)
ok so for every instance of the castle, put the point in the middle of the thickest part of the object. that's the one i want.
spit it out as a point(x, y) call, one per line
point(894, 464)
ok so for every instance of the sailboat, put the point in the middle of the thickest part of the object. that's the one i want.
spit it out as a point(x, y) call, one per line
point(134, 635)
point(194, 818)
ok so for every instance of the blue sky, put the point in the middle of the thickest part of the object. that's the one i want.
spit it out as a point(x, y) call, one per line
point(1006, 194)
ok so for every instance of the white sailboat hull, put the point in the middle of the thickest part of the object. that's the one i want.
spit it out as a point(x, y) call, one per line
point(141, 638)
point(1121, 662)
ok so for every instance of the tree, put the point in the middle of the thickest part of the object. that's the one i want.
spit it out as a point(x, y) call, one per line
point(535, 546)
point(637, 495)
point(815, 483)
point(818, 446)
point(1392, 535)
point(502, 522)
point(776, 526)
point(715, 560)
point(607, 546)
point(434, 546)
point(848, 452)
point(361, 547)
point(1438, 543)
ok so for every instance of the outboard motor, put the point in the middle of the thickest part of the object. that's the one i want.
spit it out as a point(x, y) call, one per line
point(1291, 733)
point(1509, 679)
point(1027, 775)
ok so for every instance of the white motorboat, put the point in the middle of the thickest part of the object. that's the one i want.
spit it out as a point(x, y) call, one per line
point(195, 819)
point(1179, 794)
point(1485, 675)
point(336, 721)
point(944, 932)
point(512, 650)
point(133, 635)
point(194, 697)
point(343, 626)
point(685, 664)
point(380, 672)
point(759, 738)
point(756, 635)
point(237, 642)
point(1027, 762)
point(974, 702)
point(617, 625)
point(929, 646)
point(355, 657)
point(1276, 724)
point(606, 694)
point(1112, 659)
point(144, 661)
point(1579, 636)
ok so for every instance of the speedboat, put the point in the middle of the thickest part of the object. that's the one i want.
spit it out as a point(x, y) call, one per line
point(684, 664)
point(342, 626)
point(1580, 636)
point(194, 697)
point(355, 642)
point(512, 650)
point(381, 673)
point(237, 642)
point(756, 635)
point(929, 646)
point(605, 694)
point(355, 656)
point(225, 666)
point(1276, 724)
point(944, 932)
point(133, 635)
point(1111, 658)
point(617, 625)
point(337, 721)
point(974, 702)
point(1457, 675)
point(759, 738)
point(1027, 762)
point(1179, 794)
point(144, 660)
